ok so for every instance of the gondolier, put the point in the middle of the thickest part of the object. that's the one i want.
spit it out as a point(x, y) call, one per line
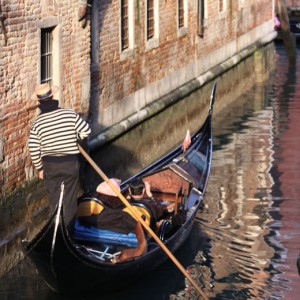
point(53, 147)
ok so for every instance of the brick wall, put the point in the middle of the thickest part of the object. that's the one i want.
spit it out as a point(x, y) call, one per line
point(19, 72)
point(292, 3)
point(127, 82)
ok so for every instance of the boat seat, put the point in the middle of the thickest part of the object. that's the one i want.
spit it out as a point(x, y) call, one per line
point(145, 211)
point(89, 234)
point(85, 233)
point(94, 234)
point(89, 205)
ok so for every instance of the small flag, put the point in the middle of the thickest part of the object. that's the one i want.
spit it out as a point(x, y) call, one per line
point(187, 141)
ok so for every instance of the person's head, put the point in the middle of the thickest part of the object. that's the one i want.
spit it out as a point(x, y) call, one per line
point(44, 92)
point(105, 189)
point(106, 193)
point(137, 187)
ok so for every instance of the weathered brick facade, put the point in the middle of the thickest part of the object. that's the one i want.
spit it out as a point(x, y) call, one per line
point(22, 22)
point(130, 80)
point(95, 76)
point(292, 3)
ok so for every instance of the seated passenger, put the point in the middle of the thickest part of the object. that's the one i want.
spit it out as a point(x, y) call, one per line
point(111, 217)
point(141, 191)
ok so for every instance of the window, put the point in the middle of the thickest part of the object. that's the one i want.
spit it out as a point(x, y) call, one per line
point(201, 15)
point(180, 13)
point(243, 4)
point(150, 19)
point(152, 24)
point(127, 28)
point(222, 5)
point(49, 62)
point(46, 55)
point(182, 17)
point(124, 25)
point(221, 8)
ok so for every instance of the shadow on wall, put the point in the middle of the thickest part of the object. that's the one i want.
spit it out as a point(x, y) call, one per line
point(114, 161)
point(97, 10)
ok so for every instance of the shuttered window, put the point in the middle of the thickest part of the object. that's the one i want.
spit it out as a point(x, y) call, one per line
point(124, 25)
point(150, 19)
point(46, 55)
point(201, 9)
point(221, 5)
point(180, 13)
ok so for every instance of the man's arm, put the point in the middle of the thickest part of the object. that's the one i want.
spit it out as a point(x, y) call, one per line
point(35, 150)
point(148, 189)
point(82, 128)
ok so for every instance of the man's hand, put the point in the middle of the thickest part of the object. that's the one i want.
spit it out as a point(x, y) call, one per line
point(148, 189)
point(41, 174)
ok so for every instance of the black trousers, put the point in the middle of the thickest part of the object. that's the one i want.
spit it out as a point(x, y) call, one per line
point(54, 174)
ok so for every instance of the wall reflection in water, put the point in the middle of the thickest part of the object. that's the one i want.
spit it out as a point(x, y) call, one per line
point(251, 219)
point(237, 211)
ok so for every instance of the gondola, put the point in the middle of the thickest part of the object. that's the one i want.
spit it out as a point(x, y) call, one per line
point(70, 266)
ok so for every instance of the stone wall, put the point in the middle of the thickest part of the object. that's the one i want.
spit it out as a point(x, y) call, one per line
point(22, 22)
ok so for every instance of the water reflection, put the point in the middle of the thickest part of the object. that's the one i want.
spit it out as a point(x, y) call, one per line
point(237, 217)
point(253, 208)
point(286, 172)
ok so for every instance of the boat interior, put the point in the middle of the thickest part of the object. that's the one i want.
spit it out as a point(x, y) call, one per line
point(169, 185)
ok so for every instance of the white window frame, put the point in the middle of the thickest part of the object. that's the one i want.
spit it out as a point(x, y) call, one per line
point(241, 3)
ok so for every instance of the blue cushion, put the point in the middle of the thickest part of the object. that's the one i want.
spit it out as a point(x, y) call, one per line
point(94, 234)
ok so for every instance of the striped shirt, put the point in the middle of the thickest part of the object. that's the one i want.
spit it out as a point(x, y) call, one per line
point(55, 133)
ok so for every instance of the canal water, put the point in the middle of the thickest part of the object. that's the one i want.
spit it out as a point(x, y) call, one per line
point(246, 240)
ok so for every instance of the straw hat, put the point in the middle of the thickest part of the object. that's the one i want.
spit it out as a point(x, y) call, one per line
point(105, 189)
point(44, 91)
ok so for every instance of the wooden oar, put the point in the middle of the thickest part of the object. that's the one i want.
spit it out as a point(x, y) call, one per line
point(150, 231)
